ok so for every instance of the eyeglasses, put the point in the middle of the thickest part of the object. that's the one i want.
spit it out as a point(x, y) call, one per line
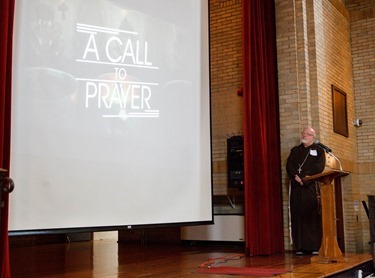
point(306, 134)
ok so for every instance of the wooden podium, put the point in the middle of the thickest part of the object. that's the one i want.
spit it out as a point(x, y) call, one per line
point(329, 251)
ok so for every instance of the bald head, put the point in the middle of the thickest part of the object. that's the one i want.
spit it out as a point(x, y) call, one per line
point(308, 136)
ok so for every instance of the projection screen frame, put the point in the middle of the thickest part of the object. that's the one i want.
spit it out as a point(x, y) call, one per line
point(96, 228)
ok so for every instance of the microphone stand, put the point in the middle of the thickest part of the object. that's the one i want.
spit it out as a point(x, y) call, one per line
point(329, 151)
point(6, 186)
point(331, 154)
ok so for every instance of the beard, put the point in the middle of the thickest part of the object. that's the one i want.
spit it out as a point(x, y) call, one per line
point(304, 141)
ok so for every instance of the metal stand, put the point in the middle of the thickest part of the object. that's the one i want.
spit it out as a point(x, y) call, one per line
point(371, 215)
point(6, 186)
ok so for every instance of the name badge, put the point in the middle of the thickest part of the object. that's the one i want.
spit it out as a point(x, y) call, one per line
point(313, 152)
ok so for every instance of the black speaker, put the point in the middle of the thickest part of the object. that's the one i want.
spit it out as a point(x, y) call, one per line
point(235, 162)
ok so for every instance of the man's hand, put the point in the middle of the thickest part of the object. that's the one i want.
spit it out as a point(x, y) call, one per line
point(298, 179)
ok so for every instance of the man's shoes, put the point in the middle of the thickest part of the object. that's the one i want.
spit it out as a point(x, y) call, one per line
point(301, 253)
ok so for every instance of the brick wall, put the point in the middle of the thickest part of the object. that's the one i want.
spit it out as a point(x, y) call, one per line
point(362, 30)
point(226, 78)
point(320, 43)
point(363, 46)
point(315, 51)
point(335, 68)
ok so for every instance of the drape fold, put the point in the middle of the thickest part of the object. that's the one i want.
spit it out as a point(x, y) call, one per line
point(6, 35)
point(262, 167)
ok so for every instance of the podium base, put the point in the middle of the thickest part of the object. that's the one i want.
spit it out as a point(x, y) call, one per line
point(328, 260)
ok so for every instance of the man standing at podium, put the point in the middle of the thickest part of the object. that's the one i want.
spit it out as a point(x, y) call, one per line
point(306, 159)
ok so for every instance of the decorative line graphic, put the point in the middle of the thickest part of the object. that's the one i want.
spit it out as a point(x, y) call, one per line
point(94, 29)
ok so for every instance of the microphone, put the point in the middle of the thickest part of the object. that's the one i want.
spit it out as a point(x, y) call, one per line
point(327, 149)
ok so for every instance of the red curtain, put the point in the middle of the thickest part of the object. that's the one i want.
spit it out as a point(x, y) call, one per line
point(263, 197)
point(6, 33)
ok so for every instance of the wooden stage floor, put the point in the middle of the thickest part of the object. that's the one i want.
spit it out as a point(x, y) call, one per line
point(107, 258)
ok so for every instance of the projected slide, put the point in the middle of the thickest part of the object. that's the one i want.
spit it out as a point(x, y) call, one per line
point(110, 114)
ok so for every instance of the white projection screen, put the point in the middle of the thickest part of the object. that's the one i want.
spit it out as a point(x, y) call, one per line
point(111, 119)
